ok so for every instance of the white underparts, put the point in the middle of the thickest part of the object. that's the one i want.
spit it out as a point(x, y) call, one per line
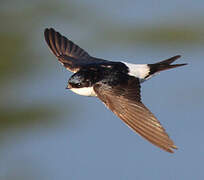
point(85, 91)
point(138, 70)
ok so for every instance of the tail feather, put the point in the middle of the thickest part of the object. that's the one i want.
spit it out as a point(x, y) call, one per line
point(170, 60)
point(164, 65)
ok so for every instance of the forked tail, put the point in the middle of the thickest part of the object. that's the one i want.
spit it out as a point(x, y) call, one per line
point(164, 65)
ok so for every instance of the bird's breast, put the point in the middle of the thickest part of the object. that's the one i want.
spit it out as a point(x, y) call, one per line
point(85, 91)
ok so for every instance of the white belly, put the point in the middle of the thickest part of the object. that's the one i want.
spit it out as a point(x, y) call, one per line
point(86, 91)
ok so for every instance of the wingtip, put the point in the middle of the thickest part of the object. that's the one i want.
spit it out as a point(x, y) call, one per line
point(174, 147)
point(46, 35)
point(170, 149)
point(50, 38)
point(47, 30)
point(177, 56)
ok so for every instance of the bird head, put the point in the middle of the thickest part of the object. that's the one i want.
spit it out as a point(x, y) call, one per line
point(78, 80)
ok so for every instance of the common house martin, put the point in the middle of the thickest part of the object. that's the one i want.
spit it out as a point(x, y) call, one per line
point(116, 84)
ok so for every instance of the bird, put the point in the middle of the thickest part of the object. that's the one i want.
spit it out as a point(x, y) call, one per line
point(116, 83)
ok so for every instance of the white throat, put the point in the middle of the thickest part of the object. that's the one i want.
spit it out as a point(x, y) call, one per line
point(85, 91)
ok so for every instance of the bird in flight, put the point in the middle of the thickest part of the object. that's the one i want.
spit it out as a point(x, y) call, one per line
point(116, 84)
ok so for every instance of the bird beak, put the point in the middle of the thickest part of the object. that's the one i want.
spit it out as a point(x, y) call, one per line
point(68, 86)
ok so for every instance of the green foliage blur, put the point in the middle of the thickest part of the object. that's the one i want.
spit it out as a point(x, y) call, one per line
point(18, 62)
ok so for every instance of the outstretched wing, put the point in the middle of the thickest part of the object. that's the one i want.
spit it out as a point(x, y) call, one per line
point(69, 54)
point(124, 100)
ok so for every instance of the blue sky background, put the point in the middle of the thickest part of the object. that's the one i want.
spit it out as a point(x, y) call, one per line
point(50, 133)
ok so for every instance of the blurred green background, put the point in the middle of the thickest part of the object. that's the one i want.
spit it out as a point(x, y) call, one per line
point(47, 132)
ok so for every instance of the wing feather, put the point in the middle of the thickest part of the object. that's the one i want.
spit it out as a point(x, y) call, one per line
point(124, 100)
point(68, 53)
point(60, 45)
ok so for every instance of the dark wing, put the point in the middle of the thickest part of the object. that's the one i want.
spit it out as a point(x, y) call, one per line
point(125, 102)
point(68, 53)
